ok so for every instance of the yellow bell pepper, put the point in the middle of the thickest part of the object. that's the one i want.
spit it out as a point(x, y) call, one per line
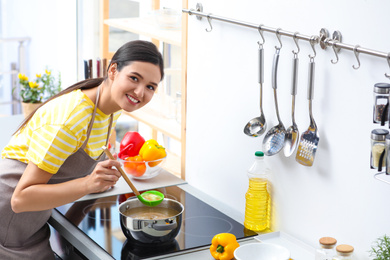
point(151, 151)
point(223, 246)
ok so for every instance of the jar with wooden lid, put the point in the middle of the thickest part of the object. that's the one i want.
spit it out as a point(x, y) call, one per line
point(344, 252)
point(326, 248)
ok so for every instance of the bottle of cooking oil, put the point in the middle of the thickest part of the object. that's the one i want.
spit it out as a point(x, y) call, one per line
point(258, 200)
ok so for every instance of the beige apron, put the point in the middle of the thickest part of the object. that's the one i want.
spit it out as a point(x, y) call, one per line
point(26, 235)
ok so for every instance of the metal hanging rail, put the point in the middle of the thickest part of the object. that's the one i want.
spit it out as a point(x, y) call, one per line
point(323, 39)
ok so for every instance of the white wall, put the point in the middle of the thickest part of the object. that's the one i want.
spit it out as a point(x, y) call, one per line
point(336, 197)
point(51, 25)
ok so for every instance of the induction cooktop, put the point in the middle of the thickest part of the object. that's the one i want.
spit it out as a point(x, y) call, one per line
point(99, 220)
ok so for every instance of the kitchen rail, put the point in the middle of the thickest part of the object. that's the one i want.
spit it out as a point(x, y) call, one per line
point(322, 39)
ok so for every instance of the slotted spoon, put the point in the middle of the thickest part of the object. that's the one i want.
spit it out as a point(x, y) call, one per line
point(309, 140)
point(273, 141)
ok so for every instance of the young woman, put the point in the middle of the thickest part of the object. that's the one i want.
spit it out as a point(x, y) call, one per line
point(55, 157)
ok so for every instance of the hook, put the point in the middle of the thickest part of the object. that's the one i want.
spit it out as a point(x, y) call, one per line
point(335, 52)
point(296, 43)
point(261, 34)
point(278, 35)
point(357, 57)
point(312, 42)
point(388, 61)
point(209, 20)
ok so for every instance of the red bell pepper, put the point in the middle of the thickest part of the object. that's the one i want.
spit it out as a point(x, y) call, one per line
point(130, 145)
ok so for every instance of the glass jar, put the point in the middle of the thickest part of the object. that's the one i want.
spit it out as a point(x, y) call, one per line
point(381, 103)
point(326, 248)
point(344, 252)
point(387, 142)
point(378, 145)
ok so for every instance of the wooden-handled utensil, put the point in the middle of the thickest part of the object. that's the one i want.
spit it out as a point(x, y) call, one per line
point(157, 197)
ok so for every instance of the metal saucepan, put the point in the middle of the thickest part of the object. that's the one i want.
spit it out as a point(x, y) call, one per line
point(150, 231)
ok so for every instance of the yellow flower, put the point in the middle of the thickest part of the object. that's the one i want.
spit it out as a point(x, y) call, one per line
point(33, 84)
point(38, 75)
point(22, 77)
point(48, 72)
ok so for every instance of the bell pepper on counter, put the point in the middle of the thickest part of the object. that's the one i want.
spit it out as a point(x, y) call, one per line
point(151, 151)
point(130, 145)
point(223, 246)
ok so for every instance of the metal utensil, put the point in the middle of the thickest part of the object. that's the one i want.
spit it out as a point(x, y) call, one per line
point(142, 197)
point(273, 141)
point(292, 133)
point(257, 125)
point(309, 140)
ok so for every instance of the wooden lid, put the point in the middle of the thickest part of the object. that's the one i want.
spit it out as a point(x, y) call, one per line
point(344, 249)
point(328, 241)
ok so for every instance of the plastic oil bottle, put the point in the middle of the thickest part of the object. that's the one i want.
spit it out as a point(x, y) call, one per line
point(258, 200)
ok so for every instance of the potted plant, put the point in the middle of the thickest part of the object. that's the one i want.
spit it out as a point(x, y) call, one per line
point(381, 249)
point(33, 93)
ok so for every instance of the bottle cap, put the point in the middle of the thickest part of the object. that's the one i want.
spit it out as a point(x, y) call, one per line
point(379, 134)
point(259, 154)
point(328, 241)
point(382, 88)
point(345, 249)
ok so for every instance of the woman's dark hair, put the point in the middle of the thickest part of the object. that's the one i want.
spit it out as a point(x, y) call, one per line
point(138, 51)
point(129, 52)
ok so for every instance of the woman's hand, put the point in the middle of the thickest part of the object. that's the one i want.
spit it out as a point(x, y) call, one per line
point(32, 193)
point(104, 176)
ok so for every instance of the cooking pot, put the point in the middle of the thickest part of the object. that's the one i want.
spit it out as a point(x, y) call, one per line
point(151, 231)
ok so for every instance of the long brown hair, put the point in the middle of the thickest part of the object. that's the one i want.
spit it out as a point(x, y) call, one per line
point(129, 52)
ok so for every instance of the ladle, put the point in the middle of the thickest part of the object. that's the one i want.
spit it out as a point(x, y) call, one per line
point(257, 125)
point(142, 198)
point(273, 141)
point(292, 133)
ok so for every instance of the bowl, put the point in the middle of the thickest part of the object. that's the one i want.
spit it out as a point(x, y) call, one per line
point(260, 251)
point(142, 169)
point(167, 18)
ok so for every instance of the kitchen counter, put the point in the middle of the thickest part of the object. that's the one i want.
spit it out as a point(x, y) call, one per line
point(298, 249)
point(91, 250)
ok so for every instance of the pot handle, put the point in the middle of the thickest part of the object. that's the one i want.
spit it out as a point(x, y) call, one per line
point(168, 226)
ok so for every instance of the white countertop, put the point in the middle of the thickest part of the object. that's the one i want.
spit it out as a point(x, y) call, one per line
point(164, 179)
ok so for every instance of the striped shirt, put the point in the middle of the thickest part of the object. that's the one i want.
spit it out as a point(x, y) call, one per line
point(57, 130)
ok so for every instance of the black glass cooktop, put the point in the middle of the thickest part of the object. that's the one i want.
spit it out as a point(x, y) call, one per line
point(99, 219)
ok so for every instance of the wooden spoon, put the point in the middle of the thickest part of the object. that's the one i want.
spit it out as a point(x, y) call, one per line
point(142, 198)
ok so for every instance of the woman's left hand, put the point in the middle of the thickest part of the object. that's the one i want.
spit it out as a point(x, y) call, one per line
point(32, 192)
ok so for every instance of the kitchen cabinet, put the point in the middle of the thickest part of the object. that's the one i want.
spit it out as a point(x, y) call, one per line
point(147, 27)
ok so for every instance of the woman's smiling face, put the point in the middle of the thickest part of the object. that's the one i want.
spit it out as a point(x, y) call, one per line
point(134, 86)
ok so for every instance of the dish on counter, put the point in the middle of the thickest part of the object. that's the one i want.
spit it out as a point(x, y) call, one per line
point(260, 251)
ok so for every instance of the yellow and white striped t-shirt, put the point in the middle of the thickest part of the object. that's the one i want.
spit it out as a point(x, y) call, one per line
point(57, 130)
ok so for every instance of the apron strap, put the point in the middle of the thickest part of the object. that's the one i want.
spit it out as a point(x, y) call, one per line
point(93, 119)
